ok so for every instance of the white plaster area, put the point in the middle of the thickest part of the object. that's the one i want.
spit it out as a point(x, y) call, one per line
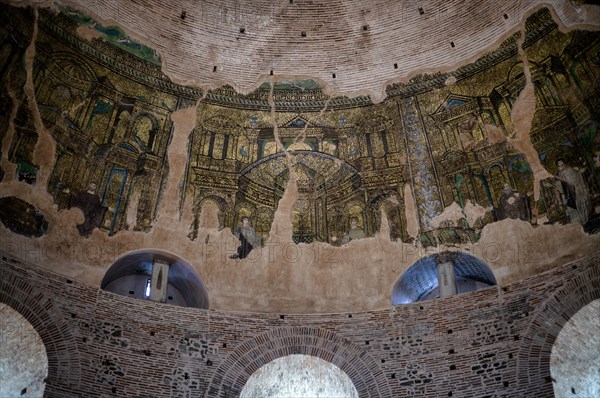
point(575, 359)
point(299, 376)
point(23, 359)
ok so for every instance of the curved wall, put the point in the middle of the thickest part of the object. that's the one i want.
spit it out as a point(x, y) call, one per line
point(497, 340)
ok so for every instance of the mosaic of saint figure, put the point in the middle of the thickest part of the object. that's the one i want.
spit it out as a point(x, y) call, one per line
point(512, 205)
point(89, 202)
point(248, 239)
point(573, 192)
point(355, 232)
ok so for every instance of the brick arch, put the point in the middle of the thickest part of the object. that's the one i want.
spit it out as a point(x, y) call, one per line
point(64, 367)
point(233, 373)
point(581, 287)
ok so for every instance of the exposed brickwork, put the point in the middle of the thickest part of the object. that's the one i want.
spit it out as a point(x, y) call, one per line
point(494, 342)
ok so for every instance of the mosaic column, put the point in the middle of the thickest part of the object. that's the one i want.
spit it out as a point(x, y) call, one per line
point(420, 163)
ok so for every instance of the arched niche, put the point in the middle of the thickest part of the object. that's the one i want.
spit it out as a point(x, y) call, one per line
point(132, 275)
point(420, 281)
point(575, 357)
point(23, 358)
point(299, 376)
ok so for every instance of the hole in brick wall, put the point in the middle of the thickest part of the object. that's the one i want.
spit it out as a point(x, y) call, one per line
point(242, 30)
point(224, 345)
point(451, 351)
point(548, 379)
point(505, 289)
point(421, 10)
point(510, 355)
point(333, 75)
point(147, 353)
point(73, 315)
point(170, 298)
point(516, 337)
point(393, 376)
point(183, 14)
point(151, 333)
point(452, 44)
point(24, 391)
point(349, 315)
point(396, 67)
point(84, 339)
point(383, 361)
point(367, 342)
point(186, 376)
point(505, 16)
point(281, 316)
point(572, 391)
point(131, 292)
point(271, 73)
point(452, 367)
point(505, 384)
point(449, 393)
point(574, 267)
point(69, 281)
point(449, 331)
point(214, 68)
point(365, 27)
point(291, 1)
point(303, 34)
point(208, 363)
point(3, 258)
point(114, 390)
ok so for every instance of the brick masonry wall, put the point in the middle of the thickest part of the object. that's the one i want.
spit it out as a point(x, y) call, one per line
point(491, 343)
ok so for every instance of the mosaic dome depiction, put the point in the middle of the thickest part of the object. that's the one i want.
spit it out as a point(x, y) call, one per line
point(357, 198)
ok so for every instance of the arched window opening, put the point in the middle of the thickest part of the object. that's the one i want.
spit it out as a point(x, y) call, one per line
point(157, 276)
point(442, 275)
point(575, 359)
point(299, 376)
point(23, 359)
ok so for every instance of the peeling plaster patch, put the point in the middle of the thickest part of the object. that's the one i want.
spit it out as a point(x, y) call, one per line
point(412, 218)
point(133, 209)
point(384, 229)
point(209, 216)
point(45, 148)
point(450, 80)
point(495, 134)
point(184, 121)
point(522, 118)
point(454, 214)
point(88, 33)
point(8, 166)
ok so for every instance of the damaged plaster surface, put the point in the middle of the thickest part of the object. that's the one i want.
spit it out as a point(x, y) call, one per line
point(281, 276)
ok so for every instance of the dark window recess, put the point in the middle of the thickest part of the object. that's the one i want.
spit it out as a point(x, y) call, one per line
point(393, 375)
point(242, 30)
point(505, 384)
point(281, 316)
point(505, 16)
point(449, 393)
point(451, 351)
point(365, 27)
point(214, 68)
point(303, 34)
point(333, 75)
point(421, 11)
point(452, 44)
point(449, 331)
point(170, 297)
point(131, 292)
point(183, 14)
point(452, 367)
point(396, 67)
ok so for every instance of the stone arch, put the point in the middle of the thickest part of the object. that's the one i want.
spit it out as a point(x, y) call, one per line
point(64, 364)
point(233, 373)
point(575, 362)
point(581, 286)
